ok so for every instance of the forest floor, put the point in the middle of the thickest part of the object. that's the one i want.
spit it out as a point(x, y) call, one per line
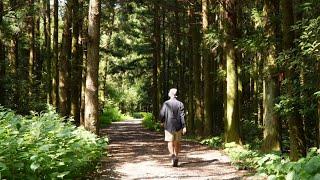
point(137, 153)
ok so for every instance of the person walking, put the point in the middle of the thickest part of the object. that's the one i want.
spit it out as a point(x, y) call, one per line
point(172, 115)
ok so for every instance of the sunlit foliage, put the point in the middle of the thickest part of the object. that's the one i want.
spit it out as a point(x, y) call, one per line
point(44, 146)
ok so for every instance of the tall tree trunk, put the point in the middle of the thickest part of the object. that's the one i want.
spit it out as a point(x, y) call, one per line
point(232, 126)
point(178, 58)
point(91, 93)
point(239, 61)
point(318, 120)
point(164, 72)
point(208, 80)
point(2, 63)
point(259, 88)
point(55, 60)
point(47, 48)
point(217, 121)
point(296, 132)
point(156, 60)
point(13, 70)
point(83, 90)
point(31, 36)
point(38, 59)
point(271, 140)
point(12, 73)
point(198, 118)
point(63, 61)
point(190, 117)
point(84, 43)
point(221, 97)
point(76, 62)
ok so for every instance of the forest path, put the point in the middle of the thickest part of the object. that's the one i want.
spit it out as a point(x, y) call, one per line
point(137, 153)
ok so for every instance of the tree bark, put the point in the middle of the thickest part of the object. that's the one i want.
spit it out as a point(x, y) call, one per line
point(84, 44)
point(76, 62)
point(2, 63)
point(164, 72)
point(83, 90)
point(38, 59)
point(190, 117)
point(208, 80)
point(13, 69)
point(156, 60)
point(31, 36)
point(232, 126)
point(47, 47)
point(63, 61)
point(55, 60)
point(91, 93)
point(296, 132)
point(221, 97)
point(271, 140)
point(197, 69)
point(179, 62)
point(318, 119)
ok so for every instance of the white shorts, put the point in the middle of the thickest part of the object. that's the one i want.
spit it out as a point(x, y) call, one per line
point(174, 136)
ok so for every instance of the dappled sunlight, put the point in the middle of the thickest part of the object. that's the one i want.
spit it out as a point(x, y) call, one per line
point(137, 153)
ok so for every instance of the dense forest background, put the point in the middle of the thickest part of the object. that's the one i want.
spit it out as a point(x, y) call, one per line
point(248, 71)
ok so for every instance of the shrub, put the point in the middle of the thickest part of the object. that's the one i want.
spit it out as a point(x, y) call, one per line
point(274, 165)
point(277, 167)
point(138, 115)
point(112, 114)
point(253, 133)
point(241, 156)
point(43, 146)
point(149, 123)
point(215, 142)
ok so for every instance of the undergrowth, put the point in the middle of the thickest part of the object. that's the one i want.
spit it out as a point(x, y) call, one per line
point(149, 122)
point(273, 165)
point(112, 114)
point(45, 146)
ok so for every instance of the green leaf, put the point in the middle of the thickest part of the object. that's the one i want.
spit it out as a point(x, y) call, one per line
point(20, 141)
point(61, 163)
point(45, 147)
point(316, 177)
point(312, 166)
point(33, 158)
point(317, 93)
point(290, 175)
point(2, 166)
point(61, 175)
point(272, 177)
point(34, 166)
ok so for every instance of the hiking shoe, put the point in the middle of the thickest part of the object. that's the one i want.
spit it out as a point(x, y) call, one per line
point(172, 158)
point(175, 162)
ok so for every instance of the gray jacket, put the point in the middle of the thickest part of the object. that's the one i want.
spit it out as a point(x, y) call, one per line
point(172, 114)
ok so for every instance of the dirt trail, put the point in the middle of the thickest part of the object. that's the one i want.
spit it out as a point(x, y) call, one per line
point(136, 153)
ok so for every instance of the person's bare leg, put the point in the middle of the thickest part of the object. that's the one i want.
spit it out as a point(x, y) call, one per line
point(171, 147)
point(176, 145)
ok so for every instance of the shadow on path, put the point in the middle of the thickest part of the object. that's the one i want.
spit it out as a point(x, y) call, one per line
point(137, 153)
point(197, 163)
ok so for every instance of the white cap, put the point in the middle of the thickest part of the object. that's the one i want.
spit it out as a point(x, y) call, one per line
point(172, 93)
